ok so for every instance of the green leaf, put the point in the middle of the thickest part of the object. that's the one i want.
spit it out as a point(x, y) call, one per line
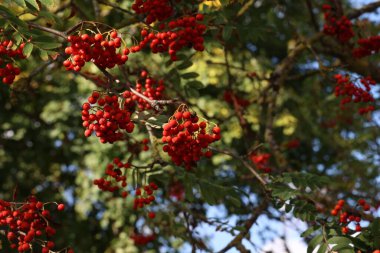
point(283, 192)
point(195, 85)
point(359, 243)
point(48, 3)
point(3, 22)
point(48, 45)
point(168, 63)
point(191, 92)
point(309, 231)
point(347, 250)
point(227, 31)
point(27, 49)
point(7, 14)
point(322, 248)
point(190, 75)
point(20, 3)
point(185, 65)
point(17, 38)
point(48, 16)
point(288, 208)
point(207, 195)
point(44, 55)
point(234, 201)
point(340, 247)
point(339, 240)
point(189, 195)
point(314, 243)
point(174, 76)
point(34, 4)
point(376, 233)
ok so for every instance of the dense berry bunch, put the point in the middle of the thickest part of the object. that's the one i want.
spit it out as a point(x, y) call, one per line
point(99, 50)
point(153, 9)
point(144, 196)
point(147, 86)
point(184, 32)
point(261, 161)
point(108, 119)
point(367, 46)
point(28, 224)
point(340, 27)
point(114, 179)
point(8, 71)
point(345, 218)
point(351, 92)
point(141, 239)
point(186, 138)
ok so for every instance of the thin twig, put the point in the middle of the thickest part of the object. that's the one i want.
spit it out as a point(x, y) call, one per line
point(312, 16)
point(49, 30)
point(245, 163)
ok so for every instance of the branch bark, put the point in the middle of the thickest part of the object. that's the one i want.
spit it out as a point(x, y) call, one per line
point(237, 241)
point(365, 9)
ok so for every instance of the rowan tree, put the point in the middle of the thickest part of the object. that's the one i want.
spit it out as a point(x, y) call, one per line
point(124, 122)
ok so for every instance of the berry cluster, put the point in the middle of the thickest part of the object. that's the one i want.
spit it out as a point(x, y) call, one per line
point(346, 218)
point(108, 118)
point(99, 50)
point(367, 46)
point(28, 224)
point(114, 172)
point(184, 32)
point(340, 27)
point(115, 180)
point(8, 71)
point(141, 239)
point(144, 196)
point(153, 9)
point(147, 86)
point(230, 97)
point(261, 161)
point(354, 93)
point(186, 137)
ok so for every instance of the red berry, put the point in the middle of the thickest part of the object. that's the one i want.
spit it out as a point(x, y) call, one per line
point(151, 215)
point(98, 37)
point(113, 34)
point(61, 207)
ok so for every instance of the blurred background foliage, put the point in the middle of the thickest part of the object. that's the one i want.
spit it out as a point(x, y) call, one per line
point(43, 150)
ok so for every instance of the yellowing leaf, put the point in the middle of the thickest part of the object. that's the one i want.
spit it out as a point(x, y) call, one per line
point(212, 4)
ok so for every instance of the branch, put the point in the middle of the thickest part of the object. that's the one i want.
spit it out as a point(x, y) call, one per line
point(104, 2)
point(248, 224)
point(312, 16)
point(365, 9)
point(245, 163)
point(49, 30)
point(237, 108)
point(277, 79)
point(155, 104)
